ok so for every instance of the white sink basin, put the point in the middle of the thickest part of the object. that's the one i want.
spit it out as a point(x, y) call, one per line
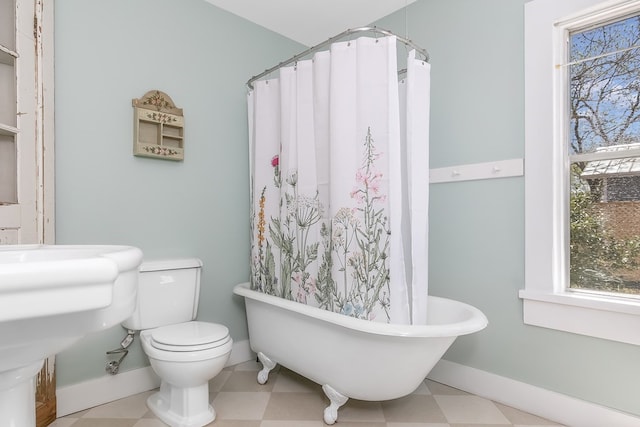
point(50, 297)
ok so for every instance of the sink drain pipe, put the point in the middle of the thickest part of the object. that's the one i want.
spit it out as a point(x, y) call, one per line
point(114, 366)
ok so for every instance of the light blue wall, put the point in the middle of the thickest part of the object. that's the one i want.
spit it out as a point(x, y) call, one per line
point(110, 52)
point(477, 228)
point(106, 54)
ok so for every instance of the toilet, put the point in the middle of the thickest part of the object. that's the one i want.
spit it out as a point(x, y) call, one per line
point(184, 353)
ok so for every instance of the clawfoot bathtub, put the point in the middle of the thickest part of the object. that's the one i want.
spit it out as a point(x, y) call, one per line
point(349, 357)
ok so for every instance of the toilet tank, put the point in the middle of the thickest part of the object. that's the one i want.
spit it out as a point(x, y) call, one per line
point(168, 292)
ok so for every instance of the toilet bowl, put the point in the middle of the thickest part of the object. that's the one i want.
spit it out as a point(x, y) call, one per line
point(185, 356)
point(184, 353)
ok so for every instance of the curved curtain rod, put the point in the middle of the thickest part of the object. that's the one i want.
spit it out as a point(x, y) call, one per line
point(317, 47)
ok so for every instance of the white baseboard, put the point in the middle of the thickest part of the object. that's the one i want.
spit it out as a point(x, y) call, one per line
point(241, 353)
point(105, 389)
point(98, 391)
point(535, 400)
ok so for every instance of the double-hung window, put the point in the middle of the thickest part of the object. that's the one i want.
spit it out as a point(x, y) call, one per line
point(582, 167)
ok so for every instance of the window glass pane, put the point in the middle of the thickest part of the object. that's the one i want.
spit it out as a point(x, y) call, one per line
point(604, 119)
point(604, 75)
point(7, 90)
point(8, 171)
point(7, 24)
point(603, 39)
point(605, 228)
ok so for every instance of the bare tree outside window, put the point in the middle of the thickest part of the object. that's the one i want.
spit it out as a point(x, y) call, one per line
point(604, 155)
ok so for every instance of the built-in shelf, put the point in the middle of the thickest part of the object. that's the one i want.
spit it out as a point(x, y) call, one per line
point(158, 127)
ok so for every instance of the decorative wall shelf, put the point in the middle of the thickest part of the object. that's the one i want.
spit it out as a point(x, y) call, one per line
point(158, 127)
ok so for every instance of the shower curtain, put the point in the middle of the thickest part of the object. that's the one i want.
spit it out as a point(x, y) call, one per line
point(339, 182)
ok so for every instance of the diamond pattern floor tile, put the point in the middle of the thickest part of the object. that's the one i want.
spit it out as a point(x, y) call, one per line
point(289, 400)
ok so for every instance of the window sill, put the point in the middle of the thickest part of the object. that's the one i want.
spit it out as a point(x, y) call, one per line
point(599, 316)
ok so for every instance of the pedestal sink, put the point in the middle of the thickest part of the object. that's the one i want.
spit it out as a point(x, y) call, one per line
point(50, 297)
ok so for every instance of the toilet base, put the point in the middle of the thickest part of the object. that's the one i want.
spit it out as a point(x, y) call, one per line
point(182, 406)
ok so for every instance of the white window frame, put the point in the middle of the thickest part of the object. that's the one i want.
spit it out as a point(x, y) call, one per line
point(546, 301)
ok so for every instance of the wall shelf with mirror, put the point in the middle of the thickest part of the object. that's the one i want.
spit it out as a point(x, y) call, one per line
point(158, 127)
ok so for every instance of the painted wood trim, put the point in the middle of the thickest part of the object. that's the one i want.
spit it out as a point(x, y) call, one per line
point(105, 389)
point(46, 402)
point(47, 155)
point(544, 403)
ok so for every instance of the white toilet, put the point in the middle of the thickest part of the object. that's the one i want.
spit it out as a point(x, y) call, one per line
point(184, 353)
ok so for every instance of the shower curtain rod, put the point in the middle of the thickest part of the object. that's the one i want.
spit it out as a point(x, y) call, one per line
point(317, 47)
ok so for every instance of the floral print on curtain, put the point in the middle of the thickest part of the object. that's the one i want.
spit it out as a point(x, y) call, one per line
point(358, 239)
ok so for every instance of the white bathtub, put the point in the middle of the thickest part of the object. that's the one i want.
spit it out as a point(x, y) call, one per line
point(349, 357)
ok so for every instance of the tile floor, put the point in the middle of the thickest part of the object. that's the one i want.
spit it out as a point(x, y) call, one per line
point(289, 400)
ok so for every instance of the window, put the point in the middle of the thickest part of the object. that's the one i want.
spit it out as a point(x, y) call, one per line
point(26, 121)
point(604, 156)
point(582, 167)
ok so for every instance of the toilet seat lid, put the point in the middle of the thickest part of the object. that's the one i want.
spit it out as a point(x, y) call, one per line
point(190, 336)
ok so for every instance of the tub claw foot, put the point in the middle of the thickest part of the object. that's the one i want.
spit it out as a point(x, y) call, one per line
point(267, 366)
point(337, 400)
